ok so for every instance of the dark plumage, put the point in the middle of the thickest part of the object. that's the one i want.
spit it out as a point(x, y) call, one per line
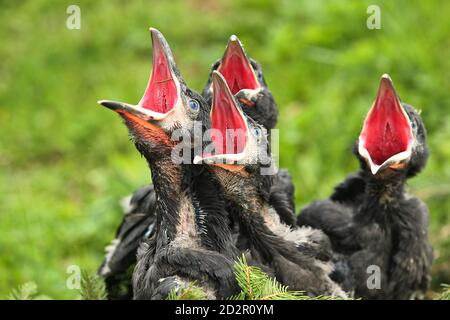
point(281, 197)
point(136, 225)
point(295, 255)
point(259, 105)
point(199, 249)
point(371, 220)
point(191, 238)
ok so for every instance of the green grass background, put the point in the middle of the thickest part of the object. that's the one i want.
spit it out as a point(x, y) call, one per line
point(65, 162)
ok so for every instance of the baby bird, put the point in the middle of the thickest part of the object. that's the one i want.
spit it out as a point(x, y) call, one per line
point(245, 76)
point(239, 157)
point(191, 240)
point(377, 230)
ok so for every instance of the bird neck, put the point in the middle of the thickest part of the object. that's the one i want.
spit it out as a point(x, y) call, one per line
point(167, 180)
point(212, 218)
point(381, 198)
point(241, 188)
point(188, 210)
point(249, 199)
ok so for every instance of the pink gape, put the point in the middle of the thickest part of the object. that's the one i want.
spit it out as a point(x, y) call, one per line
point(386, 131)
point(236, 69)
point(161, 94)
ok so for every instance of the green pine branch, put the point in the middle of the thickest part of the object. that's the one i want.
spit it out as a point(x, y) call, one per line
point(27, 291)
point(445, 295)
point(254, 284)
point(92, 287)
point(191, 292)
point(257, 285)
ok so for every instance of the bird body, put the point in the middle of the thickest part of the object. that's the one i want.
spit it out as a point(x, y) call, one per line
point(191, 239)
point(138, 223)
point(377, 230)
point(292, 254)
point(369, 238)
point(383, 227)
point(191, 244)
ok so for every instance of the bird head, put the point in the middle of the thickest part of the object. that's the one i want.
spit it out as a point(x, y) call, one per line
point(238, 143)
point(243, 75)
point(167, 104)
point(393, 136)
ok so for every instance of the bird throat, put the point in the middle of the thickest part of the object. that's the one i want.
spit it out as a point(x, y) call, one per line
point(381, 198)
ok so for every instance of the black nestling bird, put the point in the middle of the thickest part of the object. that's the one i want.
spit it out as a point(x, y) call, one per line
point(245, 79)
point(191, 239)
point(238, 156)
point(378, 231)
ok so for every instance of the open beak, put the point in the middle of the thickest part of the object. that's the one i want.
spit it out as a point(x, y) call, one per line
point(138, 124)
point(163, 90)
point(237, 69)
point(386, 139)
point(229, 128)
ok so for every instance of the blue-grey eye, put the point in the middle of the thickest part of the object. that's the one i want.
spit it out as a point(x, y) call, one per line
point(194, 105)
point(257, 132)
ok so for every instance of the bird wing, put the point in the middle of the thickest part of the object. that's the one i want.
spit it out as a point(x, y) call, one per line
point(282, 194)
point(137, 224)
point(413, 260)
point(350, 190)
point(333, 218)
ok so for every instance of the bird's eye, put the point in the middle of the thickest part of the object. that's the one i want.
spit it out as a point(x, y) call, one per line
point(257, 132)
point(194, 105)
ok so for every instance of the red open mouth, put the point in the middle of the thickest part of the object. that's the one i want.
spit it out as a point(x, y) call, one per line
point(161, 94)
point(236, 68)
point(387, 129)
point(228, 124)
point(160, 97)
point(229, 131)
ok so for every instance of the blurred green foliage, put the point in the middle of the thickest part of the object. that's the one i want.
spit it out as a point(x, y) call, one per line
point(65, 162)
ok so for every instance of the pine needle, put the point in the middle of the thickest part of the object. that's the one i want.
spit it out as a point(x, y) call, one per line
point(191, 292)
point(445, 295)
point(92, 287)
point(27, 291)
point(257, 285)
